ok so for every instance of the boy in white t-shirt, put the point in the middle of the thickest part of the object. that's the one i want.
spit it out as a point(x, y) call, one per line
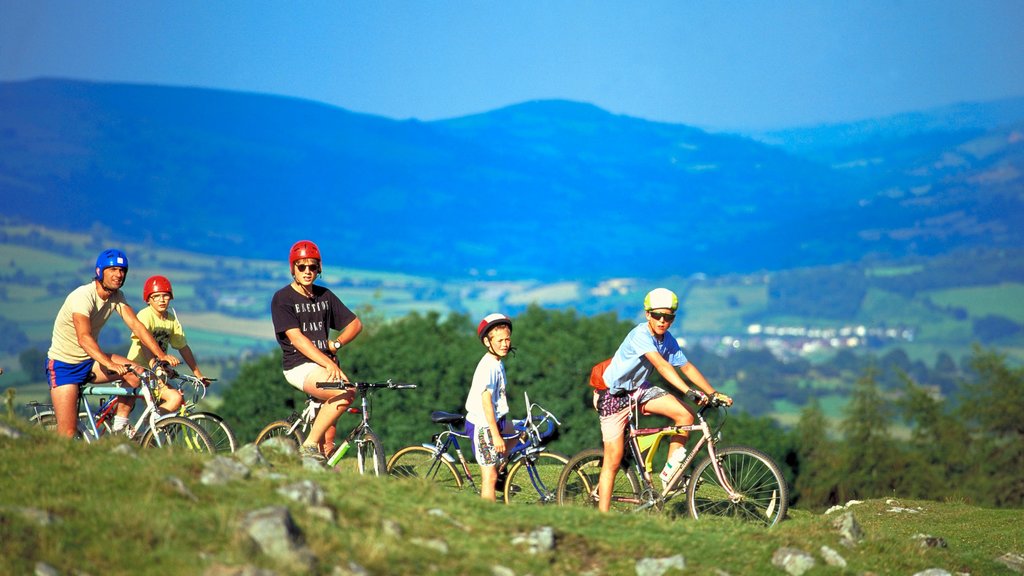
point(486, 405)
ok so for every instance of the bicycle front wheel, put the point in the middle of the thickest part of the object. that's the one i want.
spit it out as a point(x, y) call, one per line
point(279, 443)
point(426, 464)
point(369, 455)
point(534, 479)
point(759, 492)
point(176, 433)
point(223, 437)
point(577, 486)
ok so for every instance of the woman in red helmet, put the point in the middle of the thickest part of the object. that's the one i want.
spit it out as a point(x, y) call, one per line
point(304, 314)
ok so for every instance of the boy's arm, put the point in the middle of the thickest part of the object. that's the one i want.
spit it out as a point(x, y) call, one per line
point(190, 359)
point(492, 421)
point(698, 378)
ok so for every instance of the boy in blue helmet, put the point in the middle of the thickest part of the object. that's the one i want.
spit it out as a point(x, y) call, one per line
point(647, 348)
point(75, 356)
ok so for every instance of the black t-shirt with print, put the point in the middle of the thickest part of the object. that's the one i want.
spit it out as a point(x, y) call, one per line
point(315, 317)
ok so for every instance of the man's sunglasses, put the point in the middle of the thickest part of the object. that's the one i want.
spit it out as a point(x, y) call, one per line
point(304, 267)
point(662, 316)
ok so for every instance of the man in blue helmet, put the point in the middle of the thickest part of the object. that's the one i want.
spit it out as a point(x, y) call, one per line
point(75, 356)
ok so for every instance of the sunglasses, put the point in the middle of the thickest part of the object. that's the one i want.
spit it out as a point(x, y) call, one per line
point(311, 267)
point(662, 316)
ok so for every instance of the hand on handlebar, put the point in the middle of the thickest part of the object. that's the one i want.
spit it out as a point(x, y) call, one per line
point(722, 398)
point(699, 398)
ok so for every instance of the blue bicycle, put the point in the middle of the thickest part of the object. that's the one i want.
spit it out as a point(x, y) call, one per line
point(530, 473)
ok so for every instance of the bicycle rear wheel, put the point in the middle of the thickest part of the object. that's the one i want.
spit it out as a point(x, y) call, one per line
point(761, 492)
point(577, 486)
point(426, 464)
point(176, 433)
point(534, 481)
point(278, 443)
point(223, 437)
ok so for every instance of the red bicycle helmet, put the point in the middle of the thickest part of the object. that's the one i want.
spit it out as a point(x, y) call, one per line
point(156, 284)
point(490, 321)
point(301, 250)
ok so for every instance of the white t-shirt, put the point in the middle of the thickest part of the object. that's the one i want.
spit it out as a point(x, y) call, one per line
point(489, 375)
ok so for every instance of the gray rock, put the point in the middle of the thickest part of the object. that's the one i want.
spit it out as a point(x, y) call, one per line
point(435, 544)
point(540, 540)
point(179, 487)
point(498, 570)
point(44, 569)
point(221, 470)
point(305, 492)
point(850, 532)
point(276, 535)
point(9, 431)
point(792, 560)
point(34, 515)
point(222, 570)
point(1012, 561)
point(250, 456)
point(933, 572)
point(832, 558)
point(659, 566)
point(391, 528)
point(930, 541)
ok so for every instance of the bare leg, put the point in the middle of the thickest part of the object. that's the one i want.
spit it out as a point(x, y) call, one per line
point(65, 408)
point(613, 450)
point(675, 411)
point(329, 411)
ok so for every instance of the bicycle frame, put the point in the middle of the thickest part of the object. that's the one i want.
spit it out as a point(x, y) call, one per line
point(644, 442)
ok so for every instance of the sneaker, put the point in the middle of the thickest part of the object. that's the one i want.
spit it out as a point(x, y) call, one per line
point(311, 452)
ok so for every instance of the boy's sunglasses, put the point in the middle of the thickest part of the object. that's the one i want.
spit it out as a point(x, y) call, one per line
point(662, 316)
point(304, 267)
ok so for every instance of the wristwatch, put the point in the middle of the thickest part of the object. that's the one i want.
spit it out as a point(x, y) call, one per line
point(335, 345)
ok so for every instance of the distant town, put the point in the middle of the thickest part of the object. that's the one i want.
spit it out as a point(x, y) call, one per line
point(788, 342)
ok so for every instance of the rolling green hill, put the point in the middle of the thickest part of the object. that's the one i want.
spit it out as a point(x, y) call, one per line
point(151, 512)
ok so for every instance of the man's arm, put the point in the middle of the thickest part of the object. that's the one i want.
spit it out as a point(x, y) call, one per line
point(83, 331)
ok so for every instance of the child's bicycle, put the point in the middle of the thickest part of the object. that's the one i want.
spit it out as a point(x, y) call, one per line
point(733, 481)
point(368, 448)
point(532, 471)
point(150, 429)
point(223, 436)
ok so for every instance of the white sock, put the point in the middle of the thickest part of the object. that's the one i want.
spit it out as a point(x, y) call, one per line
point(119, 423)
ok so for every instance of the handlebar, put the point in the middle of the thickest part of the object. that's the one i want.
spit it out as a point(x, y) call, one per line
point(364, 385)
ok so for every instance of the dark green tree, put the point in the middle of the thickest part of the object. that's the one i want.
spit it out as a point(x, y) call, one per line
point(939, 449)
point(258, 396)
point(817, 464)
point(870, 464)
point(993, 404)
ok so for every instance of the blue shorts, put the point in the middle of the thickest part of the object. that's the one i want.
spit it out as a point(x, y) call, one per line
point(60, 373)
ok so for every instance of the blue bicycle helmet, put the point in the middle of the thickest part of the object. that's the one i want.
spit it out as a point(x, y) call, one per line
point(109, 258)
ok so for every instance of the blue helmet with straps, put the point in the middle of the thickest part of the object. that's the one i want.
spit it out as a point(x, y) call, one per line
point(110, 258)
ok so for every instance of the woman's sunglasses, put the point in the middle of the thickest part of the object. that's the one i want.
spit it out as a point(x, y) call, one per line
point(304, 267)
point(662, 316)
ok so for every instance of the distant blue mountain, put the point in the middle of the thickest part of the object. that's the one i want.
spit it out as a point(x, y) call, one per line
point(546, 189)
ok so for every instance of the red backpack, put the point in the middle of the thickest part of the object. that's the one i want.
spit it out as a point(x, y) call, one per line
point(597, 375)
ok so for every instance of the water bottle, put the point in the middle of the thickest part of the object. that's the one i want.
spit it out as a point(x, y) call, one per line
point(338, 453)
point(674, 460)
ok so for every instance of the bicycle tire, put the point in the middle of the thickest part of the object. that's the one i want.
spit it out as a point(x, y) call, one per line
point(425, 464)
point(177, 433)
point(369, 455)
point(577, 486)
point(520, 487)
point(752, 474)
point(287, 452)
point(224, 439)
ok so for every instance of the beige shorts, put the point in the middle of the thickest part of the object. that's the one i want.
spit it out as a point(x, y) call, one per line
point(297, 376)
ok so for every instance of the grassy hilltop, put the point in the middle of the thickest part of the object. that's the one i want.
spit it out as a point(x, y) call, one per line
point(109, 508)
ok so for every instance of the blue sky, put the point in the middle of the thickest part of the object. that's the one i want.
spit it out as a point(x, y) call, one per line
point(720, 65)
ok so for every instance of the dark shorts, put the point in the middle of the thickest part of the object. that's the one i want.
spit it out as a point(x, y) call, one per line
point(61, 373)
